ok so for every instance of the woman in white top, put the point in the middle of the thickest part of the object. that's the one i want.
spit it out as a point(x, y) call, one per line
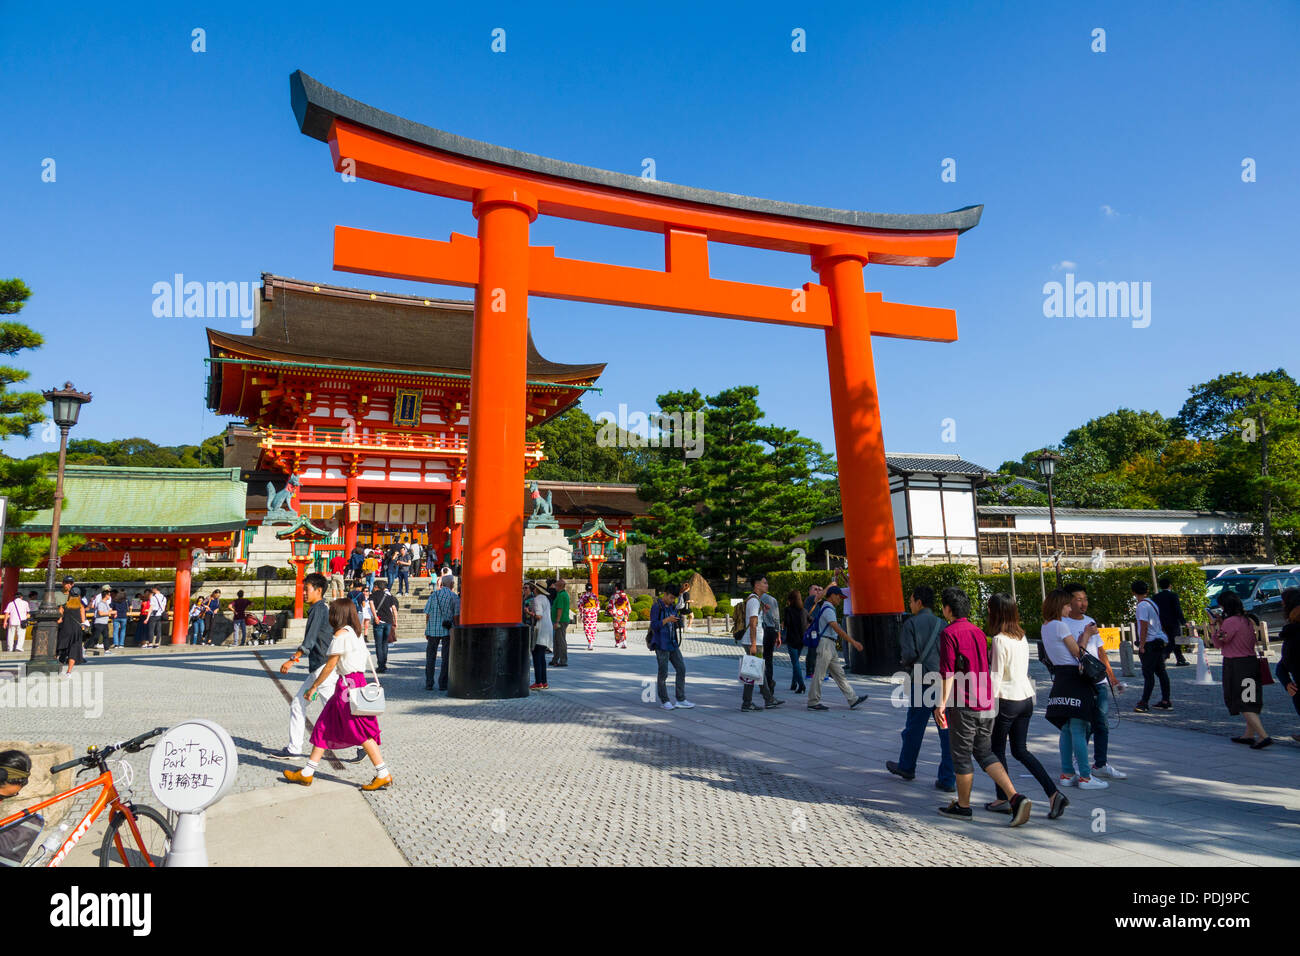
point(1015, 694)
point(339, 728)
point(1073, 701)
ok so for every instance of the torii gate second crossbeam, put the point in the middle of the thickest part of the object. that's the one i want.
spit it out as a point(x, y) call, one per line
point(509, 189)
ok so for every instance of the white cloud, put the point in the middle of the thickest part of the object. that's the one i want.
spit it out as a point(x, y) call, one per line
point(1110, 211)
point(1065, 264)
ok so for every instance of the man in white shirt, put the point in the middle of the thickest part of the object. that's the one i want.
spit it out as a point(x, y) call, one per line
point(1078, 621)
point(157, 617)
point(102, 609)
point(1151, 649)
point(754, 631)
point(17, 612)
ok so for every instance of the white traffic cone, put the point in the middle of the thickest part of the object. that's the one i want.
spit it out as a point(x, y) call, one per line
point(1203, 675)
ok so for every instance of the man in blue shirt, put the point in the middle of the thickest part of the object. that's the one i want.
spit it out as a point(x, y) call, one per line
point(442, 609)
point(663, 641)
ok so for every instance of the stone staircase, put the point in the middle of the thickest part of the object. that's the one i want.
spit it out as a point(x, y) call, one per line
point(410, 607)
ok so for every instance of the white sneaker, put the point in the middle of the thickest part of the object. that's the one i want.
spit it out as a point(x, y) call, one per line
point(1091, 783)
point(1067, 780)
point(1109, 770)
point(667, 705)
point(685, 704)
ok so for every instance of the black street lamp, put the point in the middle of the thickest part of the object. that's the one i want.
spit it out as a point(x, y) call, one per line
point(1047, 468)
point(66, 405)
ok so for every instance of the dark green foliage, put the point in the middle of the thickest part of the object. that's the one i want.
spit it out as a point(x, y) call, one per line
point(574, 453)
point(22, 482)
point(138, 453)
point(1234, 446)
point(738, 506)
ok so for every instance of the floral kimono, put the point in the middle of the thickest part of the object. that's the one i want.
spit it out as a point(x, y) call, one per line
point(589, 608)
point(620, 609)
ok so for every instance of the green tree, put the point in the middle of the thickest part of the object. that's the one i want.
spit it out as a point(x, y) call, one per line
point(673, 485)
point(1121, 436)
point(575, 451)
point(740, 505)
point(1254, 421)
point(23, 482)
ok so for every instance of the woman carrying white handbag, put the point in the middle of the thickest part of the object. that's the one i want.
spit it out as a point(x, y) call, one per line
point(350, 718)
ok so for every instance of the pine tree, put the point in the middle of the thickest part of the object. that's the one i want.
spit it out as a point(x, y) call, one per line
point(673, 485)
point(23, 482)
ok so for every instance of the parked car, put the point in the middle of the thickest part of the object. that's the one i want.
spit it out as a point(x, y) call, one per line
point(1213, 571)
point(1261, 595)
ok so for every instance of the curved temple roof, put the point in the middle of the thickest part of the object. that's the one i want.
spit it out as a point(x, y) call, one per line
point(316, 106)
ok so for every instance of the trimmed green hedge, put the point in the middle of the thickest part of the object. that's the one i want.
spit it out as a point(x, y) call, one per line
point(1110, 599)
point(106, 575)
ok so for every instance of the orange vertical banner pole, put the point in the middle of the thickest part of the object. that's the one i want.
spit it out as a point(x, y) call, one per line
point(859, 443)
point(349, 526)
point(492, 566)
point(299, 572)
point(181, 597)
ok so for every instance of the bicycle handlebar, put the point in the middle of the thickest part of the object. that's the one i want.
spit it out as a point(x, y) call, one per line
point(97, 754)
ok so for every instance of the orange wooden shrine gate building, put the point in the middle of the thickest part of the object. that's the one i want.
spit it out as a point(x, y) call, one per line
point(508, 190)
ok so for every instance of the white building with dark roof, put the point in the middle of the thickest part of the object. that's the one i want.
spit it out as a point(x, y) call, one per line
point(937, 519)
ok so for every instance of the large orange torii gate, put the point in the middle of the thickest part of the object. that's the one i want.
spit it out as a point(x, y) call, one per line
point(509, 189)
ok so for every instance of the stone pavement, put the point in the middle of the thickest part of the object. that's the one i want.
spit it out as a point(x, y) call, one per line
point(542, 780)
point(589, 772)
point(1191, 798)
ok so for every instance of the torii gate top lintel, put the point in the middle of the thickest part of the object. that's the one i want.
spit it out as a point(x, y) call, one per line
point(323, 113)
point(509, 189)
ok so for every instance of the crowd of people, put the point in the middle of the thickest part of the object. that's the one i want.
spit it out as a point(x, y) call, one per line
point(973, 684)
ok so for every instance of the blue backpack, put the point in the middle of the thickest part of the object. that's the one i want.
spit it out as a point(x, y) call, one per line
point(812, 634)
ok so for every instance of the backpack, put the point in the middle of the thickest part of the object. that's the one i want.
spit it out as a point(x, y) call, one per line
point(812, 633)
point(740, 623)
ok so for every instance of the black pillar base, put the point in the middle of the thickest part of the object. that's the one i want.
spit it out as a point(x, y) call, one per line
point(489, 662)
point(878, 634)
point(45, 642)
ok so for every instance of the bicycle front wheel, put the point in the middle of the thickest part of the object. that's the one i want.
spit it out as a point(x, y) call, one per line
point(121, 848)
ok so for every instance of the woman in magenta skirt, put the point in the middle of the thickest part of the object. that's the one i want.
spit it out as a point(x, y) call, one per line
point(338, 728)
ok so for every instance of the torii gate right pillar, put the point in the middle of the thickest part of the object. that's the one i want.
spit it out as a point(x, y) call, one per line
point(876, 597)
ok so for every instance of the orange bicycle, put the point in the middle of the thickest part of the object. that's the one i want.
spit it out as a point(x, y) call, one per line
point(137, 835)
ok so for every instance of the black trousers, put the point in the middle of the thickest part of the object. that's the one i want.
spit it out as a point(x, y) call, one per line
point(1153, 666)
point(1013, 721)
point(747, 695)
point(770, 635)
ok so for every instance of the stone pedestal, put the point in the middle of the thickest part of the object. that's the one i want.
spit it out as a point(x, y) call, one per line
point(635, 574)
point(266, 548)
point(547, 548)
point(43, 784)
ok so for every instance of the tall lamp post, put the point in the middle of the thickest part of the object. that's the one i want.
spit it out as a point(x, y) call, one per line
point(66, 404)
point(1047, 468)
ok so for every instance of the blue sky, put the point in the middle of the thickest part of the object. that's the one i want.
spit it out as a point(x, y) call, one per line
point(1125, 163)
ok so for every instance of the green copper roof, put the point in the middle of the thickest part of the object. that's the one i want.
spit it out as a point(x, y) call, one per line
point(158, 500)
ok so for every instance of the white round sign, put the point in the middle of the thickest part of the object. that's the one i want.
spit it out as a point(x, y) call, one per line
point(193, 766)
